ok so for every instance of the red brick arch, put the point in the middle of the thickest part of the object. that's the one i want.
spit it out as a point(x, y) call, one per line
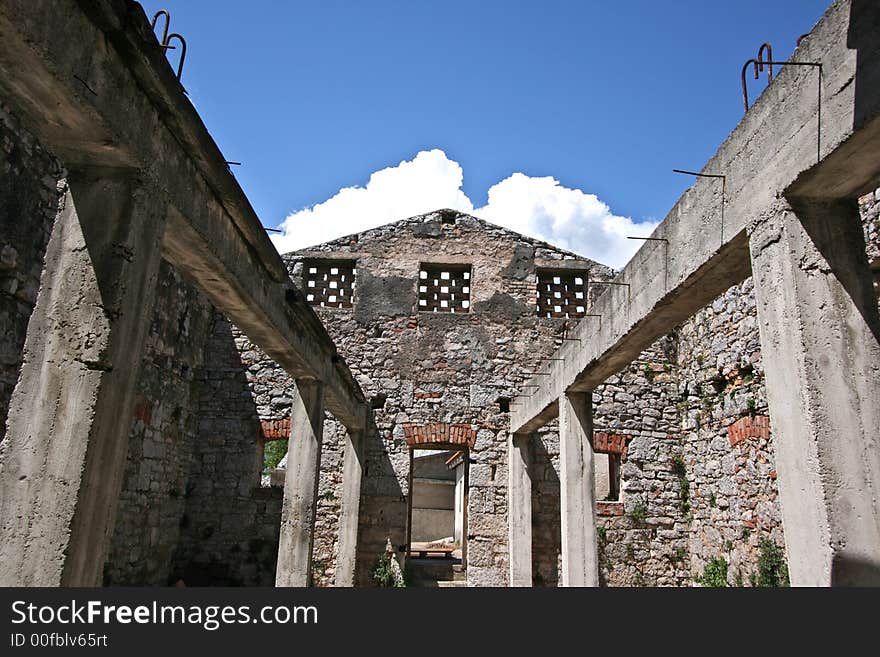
point(439, 433)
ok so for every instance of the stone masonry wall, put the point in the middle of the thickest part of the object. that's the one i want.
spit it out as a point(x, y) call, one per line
point(697, 473)
point(546, 507)
point(727, 457)
point(643, 537)
point(152, 500)
point(869, 205)
point(31, 188)
point(229, 530)
point(699, 480)
point(422, 367)
point(688, 416)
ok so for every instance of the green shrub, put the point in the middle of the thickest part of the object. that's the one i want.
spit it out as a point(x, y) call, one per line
point(684, 485)
point(639, 512)
point(678, 467)
point(273, 452)
point(386, 574)
point(772, 569)
point(715, 573)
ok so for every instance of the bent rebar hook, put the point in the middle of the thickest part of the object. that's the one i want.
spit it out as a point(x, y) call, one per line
point(769, 61)
point(759, 68)
point(745, 87)
point(168, 45)
point(164, 38)
point(165, 41)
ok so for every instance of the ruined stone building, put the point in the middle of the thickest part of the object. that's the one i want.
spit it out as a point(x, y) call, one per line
point(684, 430)
point(497, 410)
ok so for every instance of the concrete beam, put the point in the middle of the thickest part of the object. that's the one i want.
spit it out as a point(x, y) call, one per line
point(274, 315)
point(580, 555)
point(820, 337)
point(297, 538)
point(352, 475)
point(62, 463)
point(117, 105)
point(519, 508)
point(772, 149)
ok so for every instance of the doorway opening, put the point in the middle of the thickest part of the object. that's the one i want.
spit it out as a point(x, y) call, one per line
point(436, 547)
point(437, 503)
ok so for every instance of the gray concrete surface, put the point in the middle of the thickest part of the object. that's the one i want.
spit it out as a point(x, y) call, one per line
point(352, 476)
point(819, 332)
point(520, 509)
point(301, 485)
point(67, 436)
point(580, 558)
point(116, 110)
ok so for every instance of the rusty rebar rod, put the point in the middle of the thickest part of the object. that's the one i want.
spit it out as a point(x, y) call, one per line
point(768, 62)
point(723, 180)
point(167, 44)
point(164, 40)
point(626, 285)
point(745, 88)
point(595, 315)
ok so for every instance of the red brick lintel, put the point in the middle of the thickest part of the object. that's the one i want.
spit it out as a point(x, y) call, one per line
point(275, 429)
point(439, 433)
point(610, 443)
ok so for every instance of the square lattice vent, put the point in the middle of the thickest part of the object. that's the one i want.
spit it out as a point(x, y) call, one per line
point(562, 294)
point(445, 288)
point(329, 284)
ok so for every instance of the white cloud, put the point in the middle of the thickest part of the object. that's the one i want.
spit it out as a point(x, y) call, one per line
point(429, 181)
point(539, 207)
point(568, 218)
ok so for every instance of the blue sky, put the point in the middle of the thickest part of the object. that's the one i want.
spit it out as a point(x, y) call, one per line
point(592, 102)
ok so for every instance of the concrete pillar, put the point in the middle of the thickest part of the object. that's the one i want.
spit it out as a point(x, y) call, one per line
point(580, 557)
point(519, 508)
point(301, 485)
point(819, 338)
point(62, 463)
point(352, 473)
